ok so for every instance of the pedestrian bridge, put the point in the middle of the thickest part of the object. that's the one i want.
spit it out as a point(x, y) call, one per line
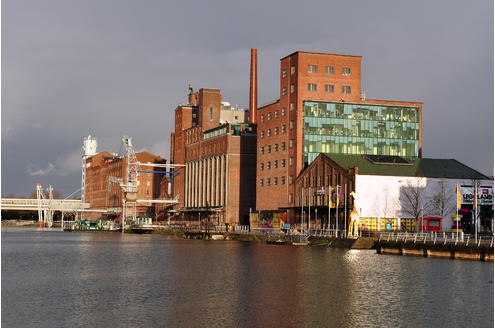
point(26, 204)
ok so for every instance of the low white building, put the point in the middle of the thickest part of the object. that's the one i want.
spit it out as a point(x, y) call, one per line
point(392, 193)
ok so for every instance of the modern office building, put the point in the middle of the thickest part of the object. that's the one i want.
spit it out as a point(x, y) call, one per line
point(322, 109)
point(217, 146)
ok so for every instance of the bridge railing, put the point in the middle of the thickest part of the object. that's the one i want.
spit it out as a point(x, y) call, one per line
point(9, 203)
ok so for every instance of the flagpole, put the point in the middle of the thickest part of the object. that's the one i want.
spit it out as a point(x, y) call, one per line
point(345, 209)
point(457, 213)
point(337, 212)
point(458, 199)
point(302, 209)
point(329, 197)
point(309, 210)
point(476, 211)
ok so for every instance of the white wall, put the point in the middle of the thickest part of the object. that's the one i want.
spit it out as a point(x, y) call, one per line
point(383, 196)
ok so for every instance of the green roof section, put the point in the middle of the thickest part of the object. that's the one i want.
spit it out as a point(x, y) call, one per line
point(417, 167)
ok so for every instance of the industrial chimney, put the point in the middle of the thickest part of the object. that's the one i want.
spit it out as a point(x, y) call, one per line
point(253, 87)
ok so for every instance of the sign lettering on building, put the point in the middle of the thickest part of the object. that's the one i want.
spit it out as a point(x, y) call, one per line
point(485, 195)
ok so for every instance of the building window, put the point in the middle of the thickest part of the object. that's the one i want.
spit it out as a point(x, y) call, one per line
point(283, 162)
point(275, 114)
point(268, 165)
point(275, 164)
point(329, 88)
point(283, 111)
point(269, 149)
point(282, 179)
point(211, 113)
point(291, 143)
point(262, 117)
point(291, 179)
point(262, 134)
point(312, 87)
point(269, 132)
point(329, 70)
point(346, 71)
point(284, 128)
point(283, 145)
point(291, 161)
point(346, 89)
point(261, 182)
point(262, 150)
point(276, 147)
point(291, 124)
point(275, 181)
point(275, 130)
point(292, 88)
point(267, 181)
point(284, 72)
point(291, 106)
point(269, 116)
point(262, 166)
point(311, 68)
point(291, 198)
point(284, 91)
point(292, 70)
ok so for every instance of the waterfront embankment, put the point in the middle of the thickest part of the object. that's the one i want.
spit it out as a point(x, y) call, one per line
point(406, 244)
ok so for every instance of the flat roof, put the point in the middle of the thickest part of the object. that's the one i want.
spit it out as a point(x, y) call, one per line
point(320, 53)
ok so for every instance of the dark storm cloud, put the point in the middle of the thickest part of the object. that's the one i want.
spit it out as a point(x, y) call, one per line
point(109, 68)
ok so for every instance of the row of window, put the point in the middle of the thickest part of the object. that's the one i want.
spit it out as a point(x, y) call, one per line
point(312, 87)
point(276, 113)
point(313, 69)
point(283, 163)
point(275, 181)
point(275, 131)
point(276, 147)
point(329, 88)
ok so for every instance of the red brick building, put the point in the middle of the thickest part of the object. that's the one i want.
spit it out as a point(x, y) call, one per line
point(321, 109)
point(217, 147)
point(102, 187)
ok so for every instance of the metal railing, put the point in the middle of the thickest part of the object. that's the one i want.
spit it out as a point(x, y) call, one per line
point(437, 238)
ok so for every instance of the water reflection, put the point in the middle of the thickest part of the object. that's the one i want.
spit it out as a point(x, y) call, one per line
point(56, 279)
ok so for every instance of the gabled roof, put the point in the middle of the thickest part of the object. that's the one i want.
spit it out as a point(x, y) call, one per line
point(418, 167)
point(448, 168)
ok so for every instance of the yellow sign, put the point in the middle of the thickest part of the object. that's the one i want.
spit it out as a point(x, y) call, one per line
point(254, 220)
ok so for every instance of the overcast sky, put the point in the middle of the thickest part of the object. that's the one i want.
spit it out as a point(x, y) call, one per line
point(109, 68)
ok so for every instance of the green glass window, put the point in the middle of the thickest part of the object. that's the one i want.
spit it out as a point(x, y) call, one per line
point(346, 128)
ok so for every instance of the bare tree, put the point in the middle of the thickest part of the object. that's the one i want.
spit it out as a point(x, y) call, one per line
point(413, 199)
point(443, 201)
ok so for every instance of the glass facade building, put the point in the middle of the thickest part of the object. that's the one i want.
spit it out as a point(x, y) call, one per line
point(346, 128)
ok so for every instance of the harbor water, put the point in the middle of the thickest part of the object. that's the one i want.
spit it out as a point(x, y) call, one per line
point(99, 279)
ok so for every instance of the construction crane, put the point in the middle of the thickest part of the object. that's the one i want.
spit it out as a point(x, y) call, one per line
point(129, 185)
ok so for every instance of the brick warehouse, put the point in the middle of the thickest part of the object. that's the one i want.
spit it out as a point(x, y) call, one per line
point(321, 109)
point(218, 148)
point(102, 191)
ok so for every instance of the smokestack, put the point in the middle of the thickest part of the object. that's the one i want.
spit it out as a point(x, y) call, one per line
point(253, 87)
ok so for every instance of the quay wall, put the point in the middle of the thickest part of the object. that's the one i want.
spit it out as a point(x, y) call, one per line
point(440, 250)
